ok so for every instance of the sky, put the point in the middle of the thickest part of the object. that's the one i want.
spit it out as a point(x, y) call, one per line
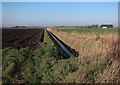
point(60, 0)
point(59, 13)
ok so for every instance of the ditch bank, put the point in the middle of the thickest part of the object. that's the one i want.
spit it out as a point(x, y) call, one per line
point(68, 50)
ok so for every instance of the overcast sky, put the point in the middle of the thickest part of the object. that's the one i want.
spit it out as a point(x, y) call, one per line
point(59, 13)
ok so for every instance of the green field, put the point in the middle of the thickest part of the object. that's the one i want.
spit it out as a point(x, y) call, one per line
point(90, 30)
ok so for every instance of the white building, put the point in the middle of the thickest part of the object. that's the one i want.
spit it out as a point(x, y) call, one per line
point(104, 27)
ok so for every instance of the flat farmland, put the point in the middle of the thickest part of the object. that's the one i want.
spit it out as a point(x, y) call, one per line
point(21, 37)
point(97, 61)
point(89, 30)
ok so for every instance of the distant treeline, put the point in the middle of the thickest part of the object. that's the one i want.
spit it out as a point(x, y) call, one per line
point(88, 26)
point(19, 26)
point(91, 26)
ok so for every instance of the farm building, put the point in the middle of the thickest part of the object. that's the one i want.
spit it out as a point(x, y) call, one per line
point(106, 26)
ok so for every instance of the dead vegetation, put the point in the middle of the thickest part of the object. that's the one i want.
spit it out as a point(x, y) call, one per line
point(88, 44)
point(98, 54)
point(113, 50)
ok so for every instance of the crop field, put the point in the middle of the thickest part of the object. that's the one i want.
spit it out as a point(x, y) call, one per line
point(90, 30)
point(21, 37)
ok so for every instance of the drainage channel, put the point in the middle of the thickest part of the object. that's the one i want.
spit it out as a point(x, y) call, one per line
point(61, 45)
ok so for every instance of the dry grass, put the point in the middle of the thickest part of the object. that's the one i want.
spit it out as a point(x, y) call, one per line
point(110, 74)
point(87, 44)
point(99, 53)
point(113, 50)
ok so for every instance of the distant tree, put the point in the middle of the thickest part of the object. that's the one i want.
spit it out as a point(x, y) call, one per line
point(89, 26)
point(23, 26)
point(17, 26)
point(94, 26)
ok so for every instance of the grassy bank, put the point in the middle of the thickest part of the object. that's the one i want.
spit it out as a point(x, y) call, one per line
point(33, 66)
point(26, 65)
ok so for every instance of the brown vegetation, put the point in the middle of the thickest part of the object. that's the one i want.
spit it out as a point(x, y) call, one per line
point(99, 53)
point(87, 44)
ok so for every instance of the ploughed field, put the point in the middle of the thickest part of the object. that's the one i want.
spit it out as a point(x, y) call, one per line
point(17, 38)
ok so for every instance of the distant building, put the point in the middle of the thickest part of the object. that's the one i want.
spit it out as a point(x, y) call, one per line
point(106, 26)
